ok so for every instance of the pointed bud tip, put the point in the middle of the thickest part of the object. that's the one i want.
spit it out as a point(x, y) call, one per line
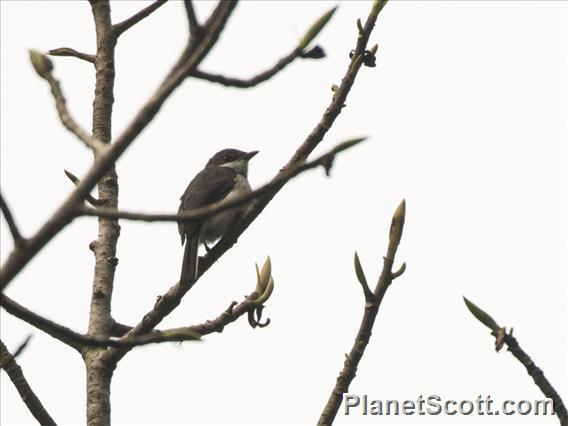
point(263, 276)
point(349, 144)
point(400, 212)
point(41, 63)
point(481, 315)
point(316, 27)
point(359, 270)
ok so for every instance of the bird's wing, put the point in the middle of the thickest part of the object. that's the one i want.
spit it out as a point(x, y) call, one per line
point(208, 186)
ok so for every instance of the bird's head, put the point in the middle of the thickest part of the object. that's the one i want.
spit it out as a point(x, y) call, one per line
point(232, 158)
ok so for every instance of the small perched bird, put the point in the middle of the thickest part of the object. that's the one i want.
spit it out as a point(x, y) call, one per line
point(224, 176)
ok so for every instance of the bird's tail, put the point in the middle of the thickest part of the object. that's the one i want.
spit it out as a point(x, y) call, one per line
point(190, 261)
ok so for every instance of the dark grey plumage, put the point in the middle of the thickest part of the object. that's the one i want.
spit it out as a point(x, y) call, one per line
point(224, 175)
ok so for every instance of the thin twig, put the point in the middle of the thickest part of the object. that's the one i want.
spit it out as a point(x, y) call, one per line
point(64, 214)
point(121, 27)
point(55, 330)
point(44, 67)
point(197, 39)
point(16, 235)
point(216, 325)
point(67, 51)
point(217, 207)
point(538, 376)
point(67, 120)
point(501, 338)
point(9, 364)
point(300, 51)
point(340, 94)
point(194, 27)
point(22, 346)
point(365, 329)
point(90, 199)
point(252, 81)
point(79, 341)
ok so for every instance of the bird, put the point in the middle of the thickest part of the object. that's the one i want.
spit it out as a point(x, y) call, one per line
point(224, 176)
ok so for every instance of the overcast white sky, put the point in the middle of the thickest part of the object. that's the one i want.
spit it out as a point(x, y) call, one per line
point(466, 118)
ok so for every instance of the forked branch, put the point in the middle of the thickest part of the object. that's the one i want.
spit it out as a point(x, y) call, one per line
point(44, 67)
point(194, 26)
point(121, 27)
point(80, 341)
point(372, 305)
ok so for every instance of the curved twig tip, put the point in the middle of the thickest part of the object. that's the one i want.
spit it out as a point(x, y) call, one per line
point(399, 272)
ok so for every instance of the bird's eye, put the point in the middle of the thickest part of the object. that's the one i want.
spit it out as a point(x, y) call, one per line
point(225, 158)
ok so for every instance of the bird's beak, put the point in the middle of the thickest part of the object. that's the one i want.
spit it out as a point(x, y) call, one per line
point(249, 155)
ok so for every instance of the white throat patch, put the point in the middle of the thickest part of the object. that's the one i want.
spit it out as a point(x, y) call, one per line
point(239, 166)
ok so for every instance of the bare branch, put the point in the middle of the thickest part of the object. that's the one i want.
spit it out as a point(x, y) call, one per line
point(121, 27)
point(231, 314)
point(16, 235)
point(194, 26)
point(55, 330)
point(216, 325)
point(181, 334)
point(252, 81)
point(253, 305)
point(298, 52)
point(197, 39)
point(501, 338)
point(90, 199)
point(67, 51)
point(340, 94)
point(99, 374)
point(66, 118)
point(80, 341)
point(199, 213)
point(9, 364)
point(538, 376)
point(44, 67)
point(65, 213)
point(365, 329)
